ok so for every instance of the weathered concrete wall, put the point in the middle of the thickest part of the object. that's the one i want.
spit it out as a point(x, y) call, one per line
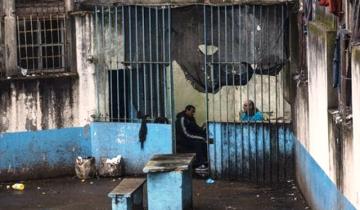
point(86, 68)
point(353, 185)
point(38, 102)
point(325, 149)
point(320, 50)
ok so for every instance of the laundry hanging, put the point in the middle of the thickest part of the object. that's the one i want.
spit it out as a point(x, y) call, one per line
point(335, 6)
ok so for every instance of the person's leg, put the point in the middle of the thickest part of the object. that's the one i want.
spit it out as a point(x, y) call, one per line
point(200, 148)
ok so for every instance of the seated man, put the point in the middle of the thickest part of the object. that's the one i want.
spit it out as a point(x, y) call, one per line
point(190, 137)
point(251, 113)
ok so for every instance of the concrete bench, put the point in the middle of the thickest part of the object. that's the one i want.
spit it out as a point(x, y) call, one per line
point(128, 195)
point(169, 182)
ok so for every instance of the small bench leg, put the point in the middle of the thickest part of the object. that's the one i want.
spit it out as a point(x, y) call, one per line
point(121, 203)
point(138, 199)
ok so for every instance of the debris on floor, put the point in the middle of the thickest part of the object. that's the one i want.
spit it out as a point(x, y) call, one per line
point(18, 186)
point(69, 193)
point(210, 181)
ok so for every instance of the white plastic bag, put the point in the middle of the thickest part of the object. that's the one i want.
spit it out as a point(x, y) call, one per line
point(85, 167)
point(111, 167)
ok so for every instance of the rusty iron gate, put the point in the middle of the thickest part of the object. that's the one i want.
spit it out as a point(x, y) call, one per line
point(246, 54)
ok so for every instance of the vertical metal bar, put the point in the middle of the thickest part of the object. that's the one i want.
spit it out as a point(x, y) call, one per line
point(206, 81)
point(61, 46)
point(240, 87)
point(131, 64)
point(157, 86)
point(219, 58)
point(262, 99)
point(110, 66)
point(151, 66)
point(212, 80)
point(19, 42)
point(247, 93)
point(276, 117)
point(255, 94)
point(102, 39)
point(227, 93)
point(39, 41)
point(282, 84)
point(32, 42)
point(125, 69)
point(45, 43)
point(52, 42)
point(63, 37)
point(233, 88)
point(220, 86)
point(143, 50)
point(137, 60)
point(97, 51)
point(25, 32)
point(164, 65)
point(171, 78)
point(117, 64)
point(269, 94)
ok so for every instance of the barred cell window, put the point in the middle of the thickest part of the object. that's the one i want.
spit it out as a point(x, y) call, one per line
point(41, 43)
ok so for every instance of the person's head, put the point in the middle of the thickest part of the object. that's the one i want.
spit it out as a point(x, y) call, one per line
point(249, 107)
point(190, 110)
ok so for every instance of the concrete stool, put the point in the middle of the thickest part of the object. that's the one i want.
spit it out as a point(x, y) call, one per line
point(128, 195)
point(169, 182)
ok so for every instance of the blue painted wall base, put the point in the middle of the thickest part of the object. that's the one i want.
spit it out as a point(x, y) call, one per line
point(316, 186)
point(50, 153)
point(170, 190)
point(41, 154)
point(112, 139)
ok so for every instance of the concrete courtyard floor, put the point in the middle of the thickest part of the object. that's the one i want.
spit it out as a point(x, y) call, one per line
point(73, 194)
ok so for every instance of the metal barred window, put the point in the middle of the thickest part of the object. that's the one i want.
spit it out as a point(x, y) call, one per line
point(41, 43)
point(133, 45)
point(41, 35)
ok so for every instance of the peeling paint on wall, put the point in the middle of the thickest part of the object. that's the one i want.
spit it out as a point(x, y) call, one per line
point(37, 104)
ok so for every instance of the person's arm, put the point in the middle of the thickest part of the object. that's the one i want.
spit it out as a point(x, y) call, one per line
point(187, 132)
point(259, 116)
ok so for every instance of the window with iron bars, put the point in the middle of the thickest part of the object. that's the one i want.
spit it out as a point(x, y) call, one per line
point(41, 43)
point(135, 44)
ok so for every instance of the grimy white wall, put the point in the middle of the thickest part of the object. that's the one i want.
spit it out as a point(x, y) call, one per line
point(61, 100)
point(318, 48)
point(332, 145)
point(353, 188)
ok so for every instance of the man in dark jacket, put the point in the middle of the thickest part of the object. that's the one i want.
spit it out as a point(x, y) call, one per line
point(190, 137)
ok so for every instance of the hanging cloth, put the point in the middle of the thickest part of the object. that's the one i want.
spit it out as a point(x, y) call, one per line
point(356, 20)
point(336, 62)
point(335, 7)
point(324, 3)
